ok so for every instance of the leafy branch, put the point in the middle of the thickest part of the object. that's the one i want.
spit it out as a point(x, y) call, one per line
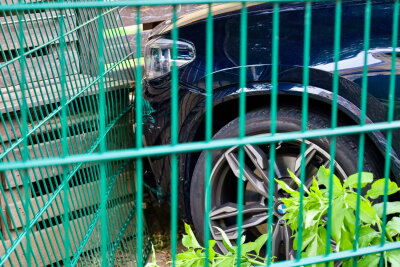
point(343, 216)
point(195, 254)
point(315, 223)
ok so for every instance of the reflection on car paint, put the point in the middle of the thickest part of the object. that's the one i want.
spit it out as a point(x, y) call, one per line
point(226, 67)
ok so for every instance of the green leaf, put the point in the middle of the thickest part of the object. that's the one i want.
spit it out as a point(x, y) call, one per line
point(346, 241)
point(311, 218)
point(297, 180)
point(226, 261)
point(315, 188)
point(338, 218)
point(189, 240)
point(393, 257)
point(153, 254)
point(317, 245)
point(188, 254)
point(392, 208)
point(190, 258)
point(246, 248)
point(308, 236)
point(287, 188)
point(378, 188)
point(211, 251)
point(260, 242)
point(349, 220)
point(393, 226)
point(153, 262)
point(225, 240)
point(312, 248)
point(352, 180)
point(367, 212)
point(367, 235)
point(199, 252)
point(323, 178)
point(294, 177)
point(322, 240)
point(347, 263)
point(369, 260)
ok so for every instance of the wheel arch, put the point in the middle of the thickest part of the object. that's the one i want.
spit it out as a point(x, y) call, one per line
point(288, 94)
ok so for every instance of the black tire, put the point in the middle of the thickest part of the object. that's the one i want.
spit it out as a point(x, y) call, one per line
point(289, 119)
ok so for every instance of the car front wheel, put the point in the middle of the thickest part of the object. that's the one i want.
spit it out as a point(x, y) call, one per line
point(225, 172)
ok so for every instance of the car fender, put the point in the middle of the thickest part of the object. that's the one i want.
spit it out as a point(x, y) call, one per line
point(349, 108)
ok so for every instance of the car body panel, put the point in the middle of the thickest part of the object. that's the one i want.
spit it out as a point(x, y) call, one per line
point(226, 67)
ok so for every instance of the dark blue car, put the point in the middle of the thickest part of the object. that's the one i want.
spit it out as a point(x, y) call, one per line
point(225, 169)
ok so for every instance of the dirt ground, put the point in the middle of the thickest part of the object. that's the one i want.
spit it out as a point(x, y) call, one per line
point(158, 222)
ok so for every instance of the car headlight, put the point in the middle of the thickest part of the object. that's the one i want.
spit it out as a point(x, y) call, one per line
point(158, 56)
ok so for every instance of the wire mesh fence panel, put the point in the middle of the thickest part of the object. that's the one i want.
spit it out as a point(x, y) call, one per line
point(272, 128)
point(57, 66)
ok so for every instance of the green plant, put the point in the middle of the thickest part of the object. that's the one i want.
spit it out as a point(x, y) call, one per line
point(153, 262)
point(195, 254)
point(344, 202)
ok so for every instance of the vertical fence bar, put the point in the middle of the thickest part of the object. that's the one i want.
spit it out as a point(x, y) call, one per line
point(174, 138)
point(361, 145)
point(64, 143)
point(334, 118)
point(242, 126)
point(304, 119)
point(103, 145)
point(209, 129)
point(274, 109)
point(24, 120)
point(389, 138)
point(139, 161)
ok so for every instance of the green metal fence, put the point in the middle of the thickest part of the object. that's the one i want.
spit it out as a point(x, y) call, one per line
point(80, 135)
point(65, 91)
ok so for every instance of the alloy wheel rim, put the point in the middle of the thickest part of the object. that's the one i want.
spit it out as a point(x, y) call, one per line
point(224, 177)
